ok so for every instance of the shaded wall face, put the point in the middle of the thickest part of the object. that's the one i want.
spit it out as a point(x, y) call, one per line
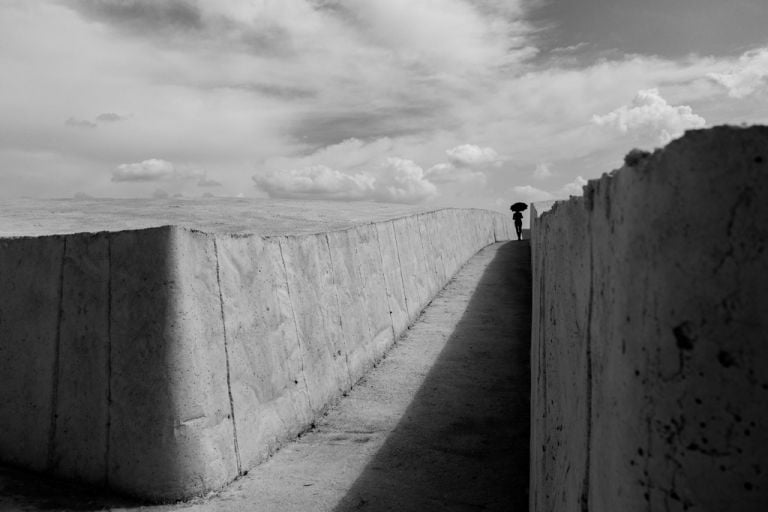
point(649, 358)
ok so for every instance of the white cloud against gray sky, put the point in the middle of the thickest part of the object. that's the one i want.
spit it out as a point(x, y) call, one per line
point(461, 102)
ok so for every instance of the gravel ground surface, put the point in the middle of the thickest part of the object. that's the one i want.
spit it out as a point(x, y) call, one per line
point(440, 424)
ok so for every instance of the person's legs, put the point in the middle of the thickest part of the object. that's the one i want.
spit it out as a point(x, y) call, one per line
point(519, 230)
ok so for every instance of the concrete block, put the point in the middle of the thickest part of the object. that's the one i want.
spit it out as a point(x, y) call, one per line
point(675, 331)
point(79, 446)
point(171, 432)
point(30, 314)
point(269, 392)
point(318, 319)
point(393, 277)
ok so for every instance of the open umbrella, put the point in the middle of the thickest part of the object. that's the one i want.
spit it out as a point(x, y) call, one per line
point(518, 207)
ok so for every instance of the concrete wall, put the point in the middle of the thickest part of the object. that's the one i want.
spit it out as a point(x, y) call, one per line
point(649, 354)
point(165, 362)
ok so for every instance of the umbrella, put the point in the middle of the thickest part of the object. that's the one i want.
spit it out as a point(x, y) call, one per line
point(518, 207)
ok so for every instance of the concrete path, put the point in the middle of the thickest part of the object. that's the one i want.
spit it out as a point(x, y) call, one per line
point(442, 423)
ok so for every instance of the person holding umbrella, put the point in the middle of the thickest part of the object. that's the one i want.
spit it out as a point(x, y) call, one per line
point(518, 208)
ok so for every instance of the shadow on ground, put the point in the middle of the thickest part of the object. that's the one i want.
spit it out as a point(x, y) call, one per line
point(463, 441)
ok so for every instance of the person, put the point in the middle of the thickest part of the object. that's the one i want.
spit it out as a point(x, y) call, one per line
point(518, 218)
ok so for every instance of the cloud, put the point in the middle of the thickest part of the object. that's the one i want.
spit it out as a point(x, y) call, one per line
point(529, 194)
point(79, 123)
point(573, 188)
point(651, 116)
point(749, 76)
point(110, 117)
point(471, 155)
point(160, 194)
point(149, 170)
point(542, 171)
point(397, 180)
point(318, 181)
point(404, 182)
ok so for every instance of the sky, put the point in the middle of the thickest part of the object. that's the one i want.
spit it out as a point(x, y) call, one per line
point(469, 103)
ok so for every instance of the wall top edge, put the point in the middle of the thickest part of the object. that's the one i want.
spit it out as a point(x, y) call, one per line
point(238, 234)
point(638, 160)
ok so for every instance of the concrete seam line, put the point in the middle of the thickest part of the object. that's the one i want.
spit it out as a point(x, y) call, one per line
point(585, 490)
point(400, 265)
point(295, 323)
point(56, 363)
point(338, 307)
point(108, 426)
point(386, 288)
point(226, 358)
point(446, 277)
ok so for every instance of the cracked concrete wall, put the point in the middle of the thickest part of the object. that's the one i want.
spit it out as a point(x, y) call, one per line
point(165, 362)
point(649, 383)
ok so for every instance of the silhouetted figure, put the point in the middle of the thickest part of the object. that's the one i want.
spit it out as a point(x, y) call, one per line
point(518, 218)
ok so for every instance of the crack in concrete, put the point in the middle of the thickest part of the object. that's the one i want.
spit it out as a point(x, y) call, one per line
point(51, 462)
point(400, 265)
point(338, 308)
point(226, 357)
point(386, 288)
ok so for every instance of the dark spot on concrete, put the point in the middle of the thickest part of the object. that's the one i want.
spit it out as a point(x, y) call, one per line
point(692, 446)
point(295, 382)
point(722, 468)
point(697, 400)
point(640, 451)
point(703, 424)
point(631, 462)
point(685, 336)
point(637, 373)
point(737, 418)
point(726, 359)
point(747, 432)
point(674, 496)
point(647, 496)
point(748, 486)
point(704, 440)
point(758, 159)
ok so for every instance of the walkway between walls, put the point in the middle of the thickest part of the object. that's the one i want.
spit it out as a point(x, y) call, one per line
point(442, 423)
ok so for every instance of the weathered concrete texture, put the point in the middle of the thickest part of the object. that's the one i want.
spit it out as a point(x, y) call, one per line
point(165, 362)
point(649, 354)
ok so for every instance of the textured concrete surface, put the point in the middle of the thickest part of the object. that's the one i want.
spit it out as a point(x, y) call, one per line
point(649, 360)
point(164, 362)
point(440, 424)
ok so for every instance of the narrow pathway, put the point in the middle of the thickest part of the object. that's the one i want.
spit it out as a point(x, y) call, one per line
point(441, 424)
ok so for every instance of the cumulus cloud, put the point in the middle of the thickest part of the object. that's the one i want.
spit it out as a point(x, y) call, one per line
point(149, 170)
point(317, 181)
point(542, 171)
point(749, 76)
point(471, 155)
point(651, 116)
point(397, 180)
point(79, 123)
point(404, 182)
